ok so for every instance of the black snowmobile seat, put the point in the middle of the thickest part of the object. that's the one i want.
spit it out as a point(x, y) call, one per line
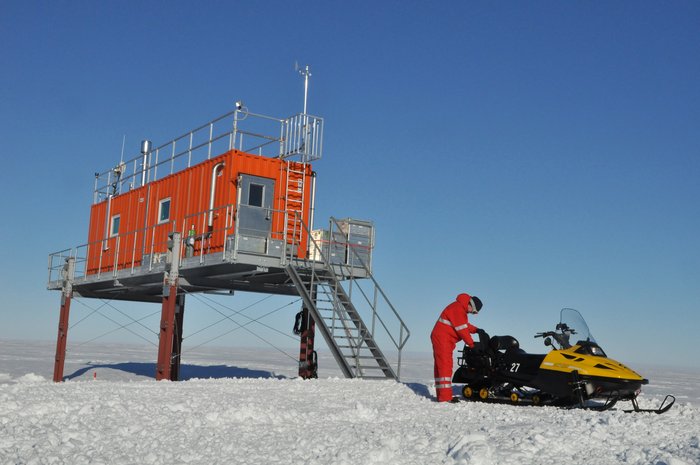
point(508, 343)
point(482, 343)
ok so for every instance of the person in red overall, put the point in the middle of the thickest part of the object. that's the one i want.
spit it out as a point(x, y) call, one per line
point(452, 326)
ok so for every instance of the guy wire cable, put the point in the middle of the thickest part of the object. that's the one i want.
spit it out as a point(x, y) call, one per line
point(120, 325)
point(247, 323)
point(225, 317)
point(250, 320)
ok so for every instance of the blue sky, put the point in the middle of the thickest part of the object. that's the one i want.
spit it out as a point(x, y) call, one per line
point(537, 154)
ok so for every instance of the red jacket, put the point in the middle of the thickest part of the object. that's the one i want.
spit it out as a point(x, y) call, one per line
point(453, 323)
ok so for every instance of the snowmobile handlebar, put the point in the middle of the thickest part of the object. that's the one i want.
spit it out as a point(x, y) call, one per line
point(561, 336)
point(555, 333)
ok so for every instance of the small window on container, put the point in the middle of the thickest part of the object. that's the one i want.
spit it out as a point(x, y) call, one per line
point(164, 211)
point(114, 226)
point(255, 195)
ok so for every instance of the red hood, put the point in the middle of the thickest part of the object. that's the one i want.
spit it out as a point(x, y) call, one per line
point(464, 299)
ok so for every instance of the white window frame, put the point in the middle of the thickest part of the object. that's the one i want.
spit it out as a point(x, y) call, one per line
point(162, 202)
point(113, 232)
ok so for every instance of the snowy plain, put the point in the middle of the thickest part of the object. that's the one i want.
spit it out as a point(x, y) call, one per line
point(243, 406)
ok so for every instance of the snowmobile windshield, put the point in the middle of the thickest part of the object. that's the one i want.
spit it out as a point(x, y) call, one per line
point(574, 327)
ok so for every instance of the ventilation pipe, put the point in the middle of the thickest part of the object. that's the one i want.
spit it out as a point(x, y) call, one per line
point(145, 150)
point(313, 201)
point(108, 225)
point(312, 210)
point(214, 174)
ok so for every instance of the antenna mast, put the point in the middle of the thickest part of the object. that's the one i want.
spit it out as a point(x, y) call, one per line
point(306, 73)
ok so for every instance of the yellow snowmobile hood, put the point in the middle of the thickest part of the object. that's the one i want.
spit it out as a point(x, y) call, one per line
point(567, 360)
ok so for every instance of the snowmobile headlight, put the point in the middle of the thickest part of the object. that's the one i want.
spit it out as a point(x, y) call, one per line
point(597, 351)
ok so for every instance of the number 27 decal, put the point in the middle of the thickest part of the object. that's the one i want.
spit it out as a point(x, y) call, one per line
point(514, 367)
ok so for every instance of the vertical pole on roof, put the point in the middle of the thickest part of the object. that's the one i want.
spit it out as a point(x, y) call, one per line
point(189, 152)
point(168, 350)
point(145, 150)
point(95, 195)
point(211, 136)
point(306, 73)
point(66, 295)
point(234, 131)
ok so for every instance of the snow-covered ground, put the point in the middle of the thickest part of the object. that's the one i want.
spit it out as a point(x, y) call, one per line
point(253, 410)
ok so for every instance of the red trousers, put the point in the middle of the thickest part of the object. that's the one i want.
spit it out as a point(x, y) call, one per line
point(442, 356)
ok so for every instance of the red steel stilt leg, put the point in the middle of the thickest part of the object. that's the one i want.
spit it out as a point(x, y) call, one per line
point(307, 356)
point(177, 338)
point(62, 336)
point(167, 331)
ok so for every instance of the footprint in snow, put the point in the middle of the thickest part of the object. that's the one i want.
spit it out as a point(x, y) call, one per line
point(471, 448)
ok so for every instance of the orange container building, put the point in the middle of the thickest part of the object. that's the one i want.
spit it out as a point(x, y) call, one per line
point(258, 200)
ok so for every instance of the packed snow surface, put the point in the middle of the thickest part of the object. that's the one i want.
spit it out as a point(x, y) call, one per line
point(110, 412)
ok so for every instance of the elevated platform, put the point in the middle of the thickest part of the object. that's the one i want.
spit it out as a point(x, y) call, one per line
point(215, 272)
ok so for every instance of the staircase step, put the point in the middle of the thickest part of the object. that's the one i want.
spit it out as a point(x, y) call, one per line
point(363, 367)
point(363, 348)
point(350, 338)
point(367, 357)
point(344, 328)
point(349, 320)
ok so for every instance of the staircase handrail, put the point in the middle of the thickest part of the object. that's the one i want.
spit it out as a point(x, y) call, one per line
point(403, 326)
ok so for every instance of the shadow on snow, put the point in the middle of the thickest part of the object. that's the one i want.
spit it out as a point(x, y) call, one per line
point(148, 369)
point(420, 389)
point(186, 371)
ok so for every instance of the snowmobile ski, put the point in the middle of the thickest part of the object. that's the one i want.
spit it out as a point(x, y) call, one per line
point(663, 408)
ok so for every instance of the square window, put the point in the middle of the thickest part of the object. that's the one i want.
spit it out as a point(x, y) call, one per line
point(164, 211)
point(114, 226)
point(255, 195)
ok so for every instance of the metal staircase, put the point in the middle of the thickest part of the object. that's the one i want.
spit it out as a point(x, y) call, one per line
point(322, 286)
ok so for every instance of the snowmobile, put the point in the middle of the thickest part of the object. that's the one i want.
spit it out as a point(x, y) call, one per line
point(577, 374)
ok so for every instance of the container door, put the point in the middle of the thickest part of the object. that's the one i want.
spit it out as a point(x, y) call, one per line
point(255, 213)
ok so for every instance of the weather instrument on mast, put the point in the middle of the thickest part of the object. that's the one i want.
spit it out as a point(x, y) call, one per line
point(305, 72)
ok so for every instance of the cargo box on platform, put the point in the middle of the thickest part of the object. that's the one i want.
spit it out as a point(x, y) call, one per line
point(349, 243)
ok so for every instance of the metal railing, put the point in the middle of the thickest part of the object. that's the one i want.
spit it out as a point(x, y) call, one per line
point(106, 257)
point(141, 250)
point(299, 135)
